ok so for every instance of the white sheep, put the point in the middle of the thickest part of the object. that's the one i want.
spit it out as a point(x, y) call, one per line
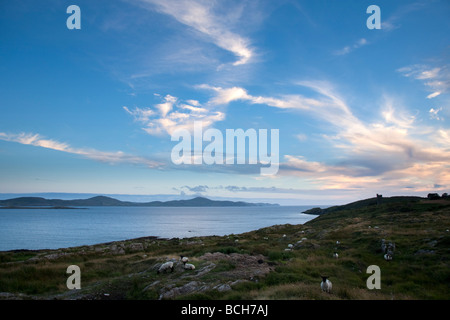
point(338, 242)
point(166, 266)
point(326, 284)
point(184, 259)
point(391, 247)
point(335, 255)
point(290, 245)
point(189, 266)
point(383, 245)
point(388, 257)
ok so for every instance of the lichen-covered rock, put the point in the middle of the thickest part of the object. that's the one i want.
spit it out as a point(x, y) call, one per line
point(136, 246)
point(190, 287)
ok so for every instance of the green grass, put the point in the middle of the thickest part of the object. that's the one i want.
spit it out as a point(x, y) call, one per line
point(19, 255)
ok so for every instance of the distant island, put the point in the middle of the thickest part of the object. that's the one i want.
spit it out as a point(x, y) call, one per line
point(102, 201)
point(37, 207)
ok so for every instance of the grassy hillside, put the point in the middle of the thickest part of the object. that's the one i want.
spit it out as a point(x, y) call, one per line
point(256, 265)
point(366, 203)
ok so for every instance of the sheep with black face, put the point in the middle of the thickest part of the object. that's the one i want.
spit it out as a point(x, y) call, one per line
point(326, 284)
point(166, 266)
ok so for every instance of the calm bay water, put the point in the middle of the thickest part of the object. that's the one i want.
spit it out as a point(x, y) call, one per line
point(60, 228)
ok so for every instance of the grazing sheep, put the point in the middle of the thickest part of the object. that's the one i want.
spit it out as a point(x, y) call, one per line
point(387, 248)
point(335, 255)
point(391, 247)
point(189, 266)
point(326, 284)
point(166, 266)
point(290, 245)
point(388, 257)
point(383, 245)
point(184, 259)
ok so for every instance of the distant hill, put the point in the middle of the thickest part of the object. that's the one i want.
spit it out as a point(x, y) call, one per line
point(364, 203)
point(102, 201)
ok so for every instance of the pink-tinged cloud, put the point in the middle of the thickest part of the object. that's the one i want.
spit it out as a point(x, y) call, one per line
point(102, 156)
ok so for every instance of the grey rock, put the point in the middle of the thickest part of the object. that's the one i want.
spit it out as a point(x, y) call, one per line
point(193, 286)
point(222, 287)
point(136, 246)
point(432, 243)
point(151, 285)
point(54, 256)
point(205, 269)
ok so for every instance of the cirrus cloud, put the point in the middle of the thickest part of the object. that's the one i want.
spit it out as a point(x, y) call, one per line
point(172, 115)
point(98, 155)
point(389, 150)
point(435, 79)
point(210, 21)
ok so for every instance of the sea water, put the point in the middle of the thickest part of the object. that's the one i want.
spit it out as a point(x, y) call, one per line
point(47, 228)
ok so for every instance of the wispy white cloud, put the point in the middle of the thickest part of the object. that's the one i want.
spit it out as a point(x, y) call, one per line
point(142, 115)
point(347, 49)
point(301, 137)
point(434, 114)
point(35, 140)
point(394, 20)
point(102, 156)
point(434, 94)
point(172, 114)
point(436, 79)
point(206, 18)
point(227, 95)
point(329, 105)
point(388, 152)
point(394, 114)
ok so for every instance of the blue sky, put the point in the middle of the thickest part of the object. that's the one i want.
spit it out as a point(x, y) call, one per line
point(359, 111)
